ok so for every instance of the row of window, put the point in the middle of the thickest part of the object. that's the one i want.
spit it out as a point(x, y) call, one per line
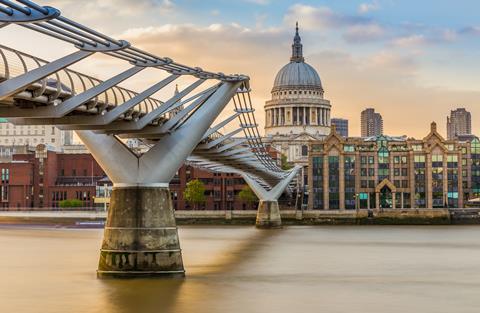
point(294, 92)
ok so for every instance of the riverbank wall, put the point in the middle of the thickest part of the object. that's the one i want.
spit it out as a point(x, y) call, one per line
point(92, 219)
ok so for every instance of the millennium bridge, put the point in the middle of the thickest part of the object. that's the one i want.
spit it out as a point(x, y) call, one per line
point(140, 237)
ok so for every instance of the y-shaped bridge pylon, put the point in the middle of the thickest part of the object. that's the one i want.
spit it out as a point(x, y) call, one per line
point(141, 235)
point(268, 213)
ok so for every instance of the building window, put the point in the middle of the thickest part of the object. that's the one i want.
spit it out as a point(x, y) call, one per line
point(317, 175)
point(333, 179)
point(304, 150)
point(417, 147)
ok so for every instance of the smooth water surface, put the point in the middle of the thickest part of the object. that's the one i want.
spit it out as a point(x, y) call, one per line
point(241, 269)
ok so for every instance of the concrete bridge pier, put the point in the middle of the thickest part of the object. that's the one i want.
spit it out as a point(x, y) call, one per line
point(140, 237)
point(268, 213)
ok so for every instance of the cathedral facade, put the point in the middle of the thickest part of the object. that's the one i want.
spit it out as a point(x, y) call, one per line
point(297, 112)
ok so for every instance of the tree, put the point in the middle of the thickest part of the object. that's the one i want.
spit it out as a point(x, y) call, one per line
point(285, 165)
point(70, 203)
point(194, 193)
point(247, 195)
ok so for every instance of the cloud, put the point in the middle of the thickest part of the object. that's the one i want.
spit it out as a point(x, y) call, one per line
point(94, 10)
point(261, 2)
point(406, 65)
point(368, 7)
point(357, 29)
point(364, 32)
point(314, 18)
point(387, 80)
point(410, 41)
point(470, 30)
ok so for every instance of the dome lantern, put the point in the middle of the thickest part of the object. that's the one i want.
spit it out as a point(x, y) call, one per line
point(297, 47)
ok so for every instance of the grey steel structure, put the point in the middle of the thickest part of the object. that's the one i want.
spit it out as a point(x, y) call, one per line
point(140, 236)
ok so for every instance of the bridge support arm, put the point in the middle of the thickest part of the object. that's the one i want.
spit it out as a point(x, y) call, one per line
point(268, 213)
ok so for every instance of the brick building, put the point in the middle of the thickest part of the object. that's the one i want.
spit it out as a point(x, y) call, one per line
point(393, 172)
point(221, 190)
point(41, 178)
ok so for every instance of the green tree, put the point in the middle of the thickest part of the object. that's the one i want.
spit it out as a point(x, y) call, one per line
point(285, 165)
point(247, 195)
point(70, 203)
point(194, 192)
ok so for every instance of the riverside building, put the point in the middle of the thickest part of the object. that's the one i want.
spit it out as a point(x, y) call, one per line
point(392, 172)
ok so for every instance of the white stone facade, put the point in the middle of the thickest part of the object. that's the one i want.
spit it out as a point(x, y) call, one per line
point(32, 135)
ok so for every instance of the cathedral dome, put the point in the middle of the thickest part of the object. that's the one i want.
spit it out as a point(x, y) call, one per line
point(297, 73)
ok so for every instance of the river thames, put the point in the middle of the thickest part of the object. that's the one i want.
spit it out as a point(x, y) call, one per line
point(241, 269)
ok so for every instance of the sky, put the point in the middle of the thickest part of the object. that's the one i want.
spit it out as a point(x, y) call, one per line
point(413, 61)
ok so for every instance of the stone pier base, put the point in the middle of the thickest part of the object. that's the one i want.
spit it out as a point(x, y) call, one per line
point(140, 238)
point(268, 215)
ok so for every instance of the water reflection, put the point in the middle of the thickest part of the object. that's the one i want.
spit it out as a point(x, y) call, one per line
point(141, 295)
point(229, 248)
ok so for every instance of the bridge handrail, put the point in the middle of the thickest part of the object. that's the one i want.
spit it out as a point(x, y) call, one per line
point(71, 82)
point(49, 21)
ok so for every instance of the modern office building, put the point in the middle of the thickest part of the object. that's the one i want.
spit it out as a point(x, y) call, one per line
point(459, 123)
point(341, 126)
point(371, 123)
point(393, 172)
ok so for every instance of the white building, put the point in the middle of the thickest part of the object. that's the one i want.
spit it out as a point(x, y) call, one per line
point(32, 135)
point(297, 112)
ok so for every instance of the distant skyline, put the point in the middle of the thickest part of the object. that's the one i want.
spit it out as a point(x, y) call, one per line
point(413, 61)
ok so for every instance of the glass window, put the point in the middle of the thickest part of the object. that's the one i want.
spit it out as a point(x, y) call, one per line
point(419, 158)
point(317, 148)
point(304, 150)
point(452, 158)
point(417, 147)
point(475, 146)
